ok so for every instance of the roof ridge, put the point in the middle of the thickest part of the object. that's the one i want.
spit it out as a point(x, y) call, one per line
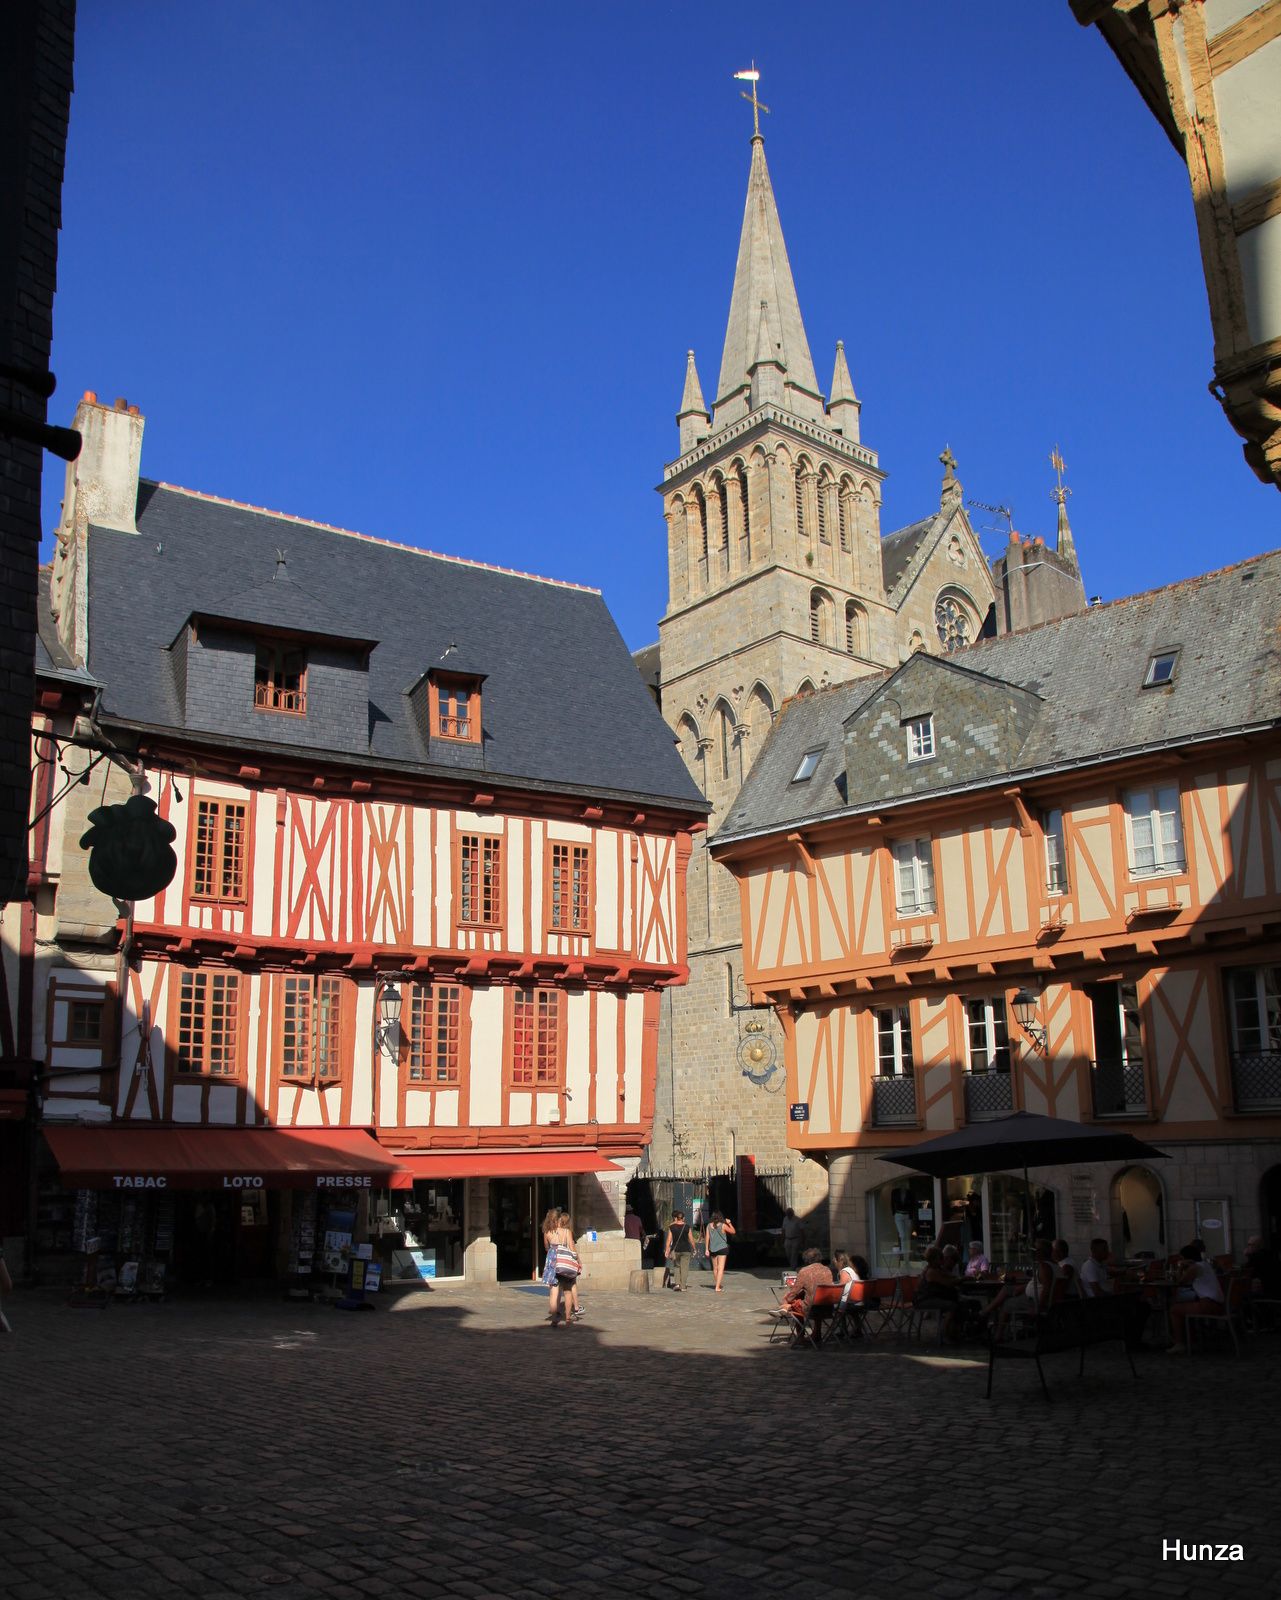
point(372, 538)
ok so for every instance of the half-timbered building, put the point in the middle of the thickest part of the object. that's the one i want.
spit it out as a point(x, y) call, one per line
point(432, 837)
point(1042, 875)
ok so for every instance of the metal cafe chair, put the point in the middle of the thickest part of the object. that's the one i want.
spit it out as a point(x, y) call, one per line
point(878, 1297)
point(1232, 1316)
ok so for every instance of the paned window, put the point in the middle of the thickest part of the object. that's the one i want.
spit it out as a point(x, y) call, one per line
point(1161, 669)
point(1056, 879)
point(209, 1023)
point(84, 1021)
point(914, 875)
point(1156, 831)
point(569, 890)
point(952, 621)
point(218, 869)
point(480, 874)
point(894, 1041)
point(1254, 1009)
point(920, 738)
point(457, 709)
point(435, 1025)
point(535, 1051)
point(987, 1035)
point(311, 1018)
point(1115, 1013)
point(280, 679)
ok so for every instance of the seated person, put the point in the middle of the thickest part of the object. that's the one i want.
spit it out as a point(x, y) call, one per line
point(1095, 1280)
point(1199, 1291)
point(939, 1284)
point(800, 1296)
point(1035, 1294)
point(978, 1266)
point(952, 1260)
point(844, 1270)
point(1065, 1269)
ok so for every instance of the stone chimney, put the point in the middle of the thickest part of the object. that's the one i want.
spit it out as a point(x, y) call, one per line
point(102, 489)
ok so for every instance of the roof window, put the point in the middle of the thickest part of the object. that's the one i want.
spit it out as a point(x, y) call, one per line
point(809, 761)
point(920, 738)
point(1161, 669)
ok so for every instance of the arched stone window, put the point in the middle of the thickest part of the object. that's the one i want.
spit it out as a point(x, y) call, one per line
point(687, 737)
point(845, 511)
point(855, 629)
point(824, 491)
point(698, 511)
point(722, 524)
point(821, 609)
point(723, 733)
point(806, 688)
point(760, 717)
point(745, 517)
point(954, 620)
point(916, 643)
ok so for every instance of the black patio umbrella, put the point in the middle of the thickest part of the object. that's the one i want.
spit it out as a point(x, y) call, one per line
point(1023, 1139)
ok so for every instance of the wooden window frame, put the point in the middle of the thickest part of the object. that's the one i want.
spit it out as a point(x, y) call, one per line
point(447, 692)
point(271, 694)
point(1259, 1002)
point(547, 1003)
point(212, 976)
point(920, 739)
point(483, 842)
point(1171, 866)
point(1056, 872)
point(220, 805)
point(900, 1054)
point(438, 1014)
point(922, 859)
point(991, 1049)
point(576, 910)
point(319, 1069)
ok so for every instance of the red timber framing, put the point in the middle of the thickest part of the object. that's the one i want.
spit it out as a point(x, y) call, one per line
point(825, 942)
point(250, 997)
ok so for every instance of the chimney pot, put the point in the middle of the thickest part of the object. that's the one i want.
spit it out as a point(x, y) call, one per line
point(122, 404)
point(134, 412)
point(91, 397)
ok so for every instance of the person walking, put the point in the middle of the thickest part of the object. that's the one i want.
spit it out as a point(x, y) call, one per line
point(677, 1249)
point(719, 1233)
point(568, 1271)
point(551, 1225)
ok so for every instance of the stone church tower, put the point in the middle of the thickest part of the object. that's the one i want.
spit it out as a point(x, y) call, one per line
point(779, 583)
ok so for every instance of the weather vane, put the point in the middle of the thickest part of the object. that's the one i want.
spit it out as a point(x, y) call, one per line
point(1060, 491)
point(753, 77)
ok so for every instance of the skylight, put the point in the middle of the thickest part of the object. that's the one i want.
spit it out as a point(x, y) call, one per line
point(809, 761)
point(1161, 669)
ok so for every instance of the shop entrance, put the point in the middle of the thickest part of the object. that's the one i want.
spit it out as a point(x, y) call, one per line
point(516, 1210)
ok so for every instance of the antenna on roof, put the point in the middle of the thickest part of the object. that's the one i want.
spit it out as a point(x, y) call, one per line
point(1007, 512)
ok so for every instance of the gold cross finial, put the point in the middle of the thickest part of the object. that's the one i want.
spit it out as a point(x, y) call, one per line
point(753, 77)
point(1060, 491)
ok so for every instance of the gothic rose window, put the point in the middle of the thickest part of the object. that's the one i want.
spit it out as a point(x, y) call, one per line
point(953, 624)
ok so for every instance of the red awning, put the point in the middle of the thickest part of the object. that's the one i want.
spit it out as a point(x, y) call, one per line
point(330, 1159)
point(505, 1163)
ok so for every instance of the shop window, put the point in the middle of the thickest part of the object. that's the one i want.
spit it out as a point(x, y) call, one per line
point(435, 1028)
point(480, 880)
point(207, 1036)
point(218, 858)
point(280, 679)
point(569, 888)
point(536, 1057)
point(312, 1014)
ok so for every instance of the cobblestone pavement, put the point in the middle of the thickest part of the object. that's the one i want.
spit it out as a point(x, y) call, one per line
point(453, 1444)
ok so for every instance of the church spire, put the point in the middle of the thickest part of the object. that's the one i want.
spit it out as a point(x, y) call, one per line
point(843, 407)
point(692, 417)
point(1065, 543)
point(763, 274)
point(768, 367)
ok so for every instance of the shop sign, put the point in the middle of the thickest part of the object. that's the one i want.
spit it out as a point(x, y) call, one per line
point(243, 1181)
point(800, 1111)
point(345, 1180)
point(122, 1180)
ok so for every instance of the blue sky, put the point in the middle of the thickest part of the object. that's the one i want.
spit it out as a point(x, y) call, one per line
point(430, 271)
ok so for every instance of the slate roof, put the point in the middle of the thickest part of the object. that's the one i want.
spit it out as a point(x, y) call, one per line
point(52, 659)
point(563, 706)
point(898, 548)
point(279, 602)
point(1088, 670)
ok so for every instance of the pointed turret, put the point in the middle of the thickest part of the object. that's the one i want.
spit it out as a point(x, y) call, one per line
point(1065, 543)
point(768, 367)
point(692, 417)
point(763, 274)
point(843, 408)
point(950, 490)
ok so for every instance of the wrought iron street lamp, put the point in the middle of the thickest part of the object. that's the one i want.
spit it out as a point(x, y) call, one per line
point(1027, 1005)
point(390, 1003)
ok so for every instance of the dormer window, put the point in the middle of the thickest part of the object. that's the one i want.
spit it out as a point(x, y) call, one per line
point(455, 708)
point(280, 679)
point(920, 738)
point(1161, 669)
